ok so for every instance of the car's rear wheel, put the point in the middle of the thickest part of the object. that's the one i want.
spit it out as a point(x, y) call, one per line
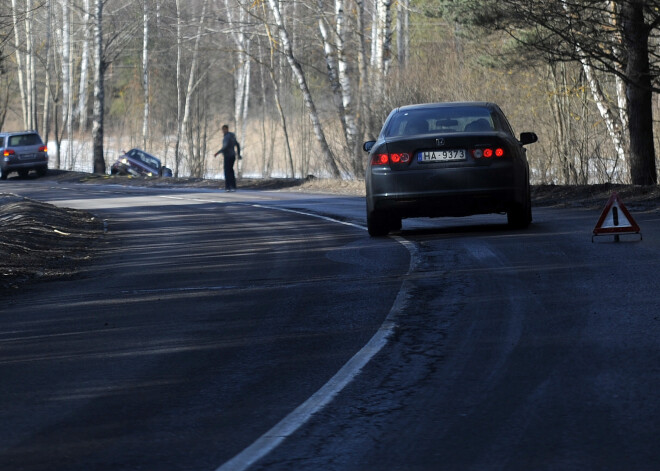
point(520, 215)
point(378, 224)
point(395, 223)
point(3, 174)
point(42, 171)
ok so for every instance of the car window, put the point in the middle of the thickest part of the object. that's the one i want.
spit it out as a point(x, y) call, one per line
point(24, 140)
point(442, 120)
point(149, 160)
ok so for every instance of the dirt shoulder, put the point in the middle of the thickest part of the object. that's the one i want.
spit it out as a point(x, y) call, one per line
point(39, 241)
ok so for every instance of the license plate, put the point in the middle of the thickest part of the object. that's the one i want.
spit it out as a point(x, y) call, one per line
point(26, 156)
point(444, 155)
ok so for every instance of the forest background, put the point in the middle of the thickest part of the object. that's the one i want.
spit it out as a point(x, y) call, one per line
point(305, 82)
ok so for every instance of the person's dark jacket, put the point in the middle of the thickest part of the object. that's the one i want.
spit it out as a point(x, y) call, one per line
point(228, 143)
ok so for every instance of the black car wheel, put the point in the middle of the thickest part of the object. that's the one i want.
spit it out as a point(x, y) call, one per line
point(3, 174)
point(520, 216)
point(42, 171)
point(378, 224)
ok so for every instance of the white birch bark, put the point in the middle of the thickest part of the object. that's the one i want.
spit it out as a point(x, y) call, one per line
point(19, 62)
point(46, 108)
point(307, 96)
point(402, 32)
point(384, 36)
point(278, 103)
point(31, 75)
point(179, 94)
point(99, 95)
point(346, 86)
point(67, 77)
point(619, 82)
point(374, 34)
point(242, 40)
point(84, 66)
point(335, 58)
point(613, 126)
point(145, 73)
point(192, 80)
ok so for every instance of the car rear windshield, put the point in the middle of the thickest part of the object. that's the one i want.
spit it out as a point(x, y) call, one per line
point(24, 140)
point(441, 120)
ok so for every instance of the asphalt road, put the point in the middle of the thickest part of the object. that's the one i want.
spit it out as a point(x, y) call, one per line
point(211, 317)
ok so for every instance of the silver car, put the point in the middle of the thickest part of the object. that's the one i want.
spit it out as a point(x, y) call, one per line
point(21, 152)
point(446, 159)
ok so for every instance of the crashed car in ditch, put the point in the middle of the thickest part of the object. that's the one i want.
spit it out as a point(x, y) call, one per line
point(139, 163)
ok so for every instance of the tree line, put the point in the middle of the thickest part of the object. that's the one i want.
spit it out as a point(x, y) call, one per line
point(304, 82)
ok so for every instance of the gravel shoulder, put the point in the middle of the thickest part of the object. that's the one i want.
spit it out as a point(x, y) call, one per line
point(39, 241)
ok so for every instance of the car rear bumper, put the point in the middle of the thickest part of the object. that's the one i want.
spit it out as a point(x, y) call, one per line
point(27, 164)
point(457, 191)
point(452, 204)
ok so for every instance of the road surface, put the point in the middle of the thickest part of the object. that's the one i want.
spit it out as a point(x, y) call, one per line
point(211, 317)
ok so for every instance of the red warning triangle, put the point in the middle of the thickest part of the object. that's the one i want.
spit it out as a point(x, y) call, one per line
point(616, 219)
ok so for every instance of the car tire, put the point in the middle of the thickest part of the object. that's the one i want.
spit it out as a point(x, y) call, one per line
point(3, 174)
point(395, 223)
point(42, 171)
point(520, 216)
point(378, 224)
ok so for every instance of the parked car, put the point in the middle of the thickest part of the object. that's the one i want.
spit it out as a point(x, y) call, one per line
point(137, 162)
point(447, 159)
point(21, 152)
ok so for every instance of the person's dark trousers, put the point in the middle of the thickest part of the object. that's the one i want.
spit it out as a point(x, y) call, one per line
point(230, 178)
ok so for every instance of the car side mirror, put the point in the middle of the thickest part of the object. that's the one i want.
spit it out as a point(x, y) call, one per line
point(528, 138)
point(367, 146)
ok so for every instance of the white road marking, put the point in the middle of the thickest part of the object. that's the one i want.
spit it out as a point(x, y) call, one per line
point(301, 415)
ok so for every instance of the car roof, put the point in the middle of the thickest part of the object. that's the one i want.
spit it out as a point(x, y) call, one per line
point(11, 133)
point(448, 104)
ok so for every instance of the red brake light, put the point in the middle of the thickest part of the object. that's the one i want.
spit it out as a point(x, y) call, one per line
point(487, 153)
point(380, 159)
point(9, 152)
point(43, 149)
point(395, 158)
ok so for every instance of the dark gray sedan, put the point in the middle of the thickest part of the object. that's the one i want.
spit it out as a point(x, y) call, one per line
point(447, 159)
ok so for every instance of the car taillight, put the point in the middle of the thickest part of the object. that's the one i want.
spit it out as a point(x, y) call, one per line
point(394, 158)
point(9, 152)
point(43, 149)
point(487, 153)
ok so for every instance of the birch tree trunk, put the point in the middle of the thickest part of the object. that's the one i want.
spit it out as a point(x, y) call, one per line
point(67, 77)
point(19, 62)
point(402, 32)
point(346, 86)
point(383, 36)
point(196, 168)
point(242, 41)
point(145, 73)
point(614, 127)
point(179, 102)
point(99, 94)
point(278, 103)
point(307, 96)
point(30, 67)
point(48, 52)
point(84, 66)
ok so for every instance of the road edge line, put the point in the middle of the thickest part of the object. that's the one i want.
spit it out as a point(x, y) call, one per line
point(321, 398)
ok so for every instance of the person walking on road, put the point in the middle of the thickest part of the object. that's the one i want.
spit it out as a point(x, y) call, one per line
point(229, 142)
